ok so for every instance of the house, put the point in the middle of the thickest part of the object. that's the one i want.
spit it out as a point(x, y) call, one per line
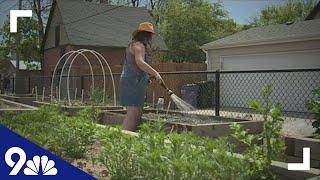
point(18, 80)
point(274, 47)
point(281, 46)
point(107, 29)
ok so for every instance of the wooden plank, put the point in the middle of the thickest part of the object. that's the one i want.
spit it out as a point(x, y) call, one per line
point(223, 129)
point(314, 145)
point(281, 170)
point(293, 159)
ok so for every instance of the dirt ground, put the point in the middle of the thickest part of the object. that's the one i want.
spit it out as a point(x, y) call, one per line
point(90, 164)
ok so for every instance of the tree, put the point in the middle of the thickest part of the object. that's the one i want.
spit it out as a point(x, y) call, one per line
point(28, 38)
point(188, 24)
point(41, 8)
point(291, 11)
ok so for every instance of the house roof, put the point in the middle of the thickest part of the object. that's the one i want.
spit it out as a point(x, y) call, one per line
point(23, 65)
point(305, 30)
point(314, 12)
point(92, 24)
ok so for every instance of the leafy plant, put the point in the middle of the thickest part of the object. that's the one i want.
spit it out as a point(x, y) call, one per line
point(268, 145)
point(186, 25)
point(156, 155)
point(96, 97)
point(56, 131)
point(290, 11)
point(314, 107)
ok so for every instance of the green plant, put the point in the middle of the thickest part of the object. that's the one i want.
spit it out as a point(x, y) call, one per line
point(66, 136)
point(268, 145)
point(154, 154)
point(96, 97)
point(75, 135)
point(314, 107)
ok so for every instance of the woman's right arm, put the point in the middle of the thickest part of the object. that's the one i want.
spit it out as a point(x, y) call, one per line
point(139, 52)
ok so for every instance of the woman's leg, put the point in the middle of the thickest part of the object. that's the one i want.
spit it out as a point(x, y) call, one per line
point(132, 119)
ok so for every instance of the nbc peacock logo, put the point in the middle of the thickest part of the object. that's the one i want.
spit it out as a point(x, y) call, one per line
point(47, 166)
point(37, 166)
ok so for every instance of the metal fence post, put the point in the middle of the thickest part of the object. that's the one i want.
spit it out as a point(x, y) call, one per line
point(217, 94)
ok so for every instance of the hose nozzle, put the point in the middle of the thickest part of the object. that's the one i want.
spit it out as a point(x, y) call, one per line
point(166, 88)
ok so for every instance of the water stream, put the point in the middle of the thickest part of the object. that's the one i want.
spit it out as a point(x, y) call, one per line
point(182, 105)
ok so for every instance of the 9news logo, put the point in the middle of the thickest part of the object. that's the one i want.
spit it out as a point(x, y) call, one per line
point(22, 159)
point(33, 166)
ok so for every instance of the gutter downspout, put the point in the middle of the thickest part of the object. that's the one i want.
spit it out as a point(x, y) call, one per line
point(207, 56)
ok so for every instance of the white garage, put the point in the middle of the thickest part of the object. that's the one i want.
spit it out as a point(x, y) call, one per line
point(292, 46)
point(273, 61)
point(287, 47)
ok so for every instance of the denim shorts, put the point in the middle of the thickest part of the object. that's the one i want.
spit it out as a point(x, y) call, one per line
point(133, 90)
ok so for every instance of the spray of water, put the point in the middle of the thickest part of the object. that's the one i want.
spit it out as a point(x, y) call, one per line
point(182, 105)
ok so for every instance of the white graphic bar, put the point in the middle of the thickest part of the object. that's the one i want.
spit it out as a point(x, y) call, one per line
point(305, 165)
point(14, 14)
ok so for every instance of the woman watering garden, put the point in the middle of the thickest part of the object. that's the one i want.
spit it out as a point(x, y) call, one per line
point(135, 75)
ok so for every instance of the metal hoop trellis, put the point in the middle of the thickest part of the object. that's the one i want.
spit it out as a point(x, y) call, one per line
point(81, 52)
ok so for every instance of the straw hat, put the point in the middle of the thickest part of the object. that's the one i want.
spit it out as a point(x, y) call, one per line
point(145, 26)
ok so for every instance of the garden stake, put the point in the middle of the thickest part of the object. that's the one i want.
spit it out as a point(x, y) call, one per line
point(82, 92)
point(43, 93)
point(153, 97)
point(57, 92)
point(36, 88)
point(75, 94)
point(169, 104)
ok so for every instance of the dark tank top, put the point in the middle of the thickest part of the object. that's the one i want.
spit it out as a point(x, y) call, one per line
point(130, 67)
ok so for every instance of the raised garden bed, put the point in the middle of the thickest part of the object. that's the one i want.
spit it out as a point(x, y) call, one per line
point(22, 98)
point(295, 147)
point(90, 162)
point(201, 125)
point(11, 106)
point(7, 105)
point(75, 109)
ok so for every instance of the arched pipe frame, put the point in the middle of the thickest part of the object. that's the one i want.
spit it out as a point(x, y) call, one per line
point(81, 52)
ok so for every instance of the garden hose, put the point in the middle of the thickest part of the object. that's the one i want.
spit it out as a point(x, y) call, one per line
point(162, 84)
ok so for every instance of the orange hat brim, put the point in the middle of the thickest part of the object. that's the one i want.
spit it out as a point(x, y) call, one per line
point(139, 30)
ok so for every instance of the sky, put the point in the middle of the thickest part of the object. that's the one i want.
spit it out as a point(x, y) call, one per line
point(243, 10)
point(239, 10)
point(5, 7)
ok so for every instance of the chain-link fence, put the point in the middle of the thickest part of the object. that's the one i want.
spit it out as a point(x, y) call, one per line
point(212, 93)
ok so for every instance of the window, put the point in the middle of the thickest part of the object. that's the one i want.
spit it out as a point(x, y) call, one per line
point(57, 36)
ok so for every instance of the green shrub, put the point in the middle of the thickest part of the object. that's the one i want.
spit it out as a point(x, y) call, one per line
point(96, 97)
point(156, 155)
point(268, 145)
point(49, 128)
point(314, 107)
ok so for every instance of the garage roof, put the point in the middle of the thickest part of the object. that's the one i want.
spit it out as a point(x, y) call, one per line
point(305, 30)
point(92, 24)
